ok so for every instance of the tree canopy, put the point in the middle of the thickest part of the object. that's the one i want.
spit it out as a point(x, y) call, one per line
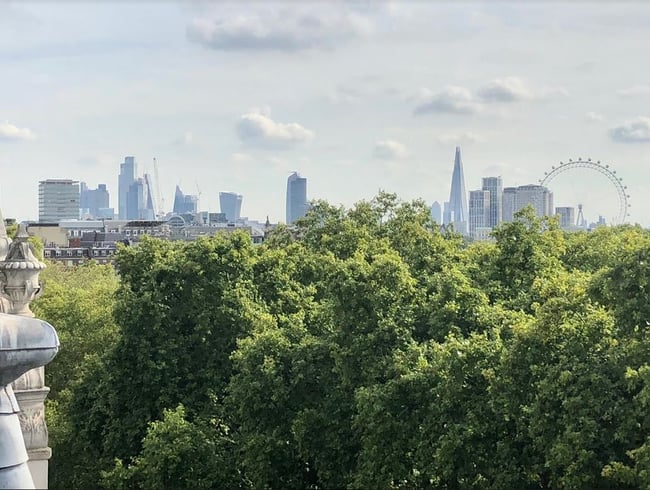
point(360, 348)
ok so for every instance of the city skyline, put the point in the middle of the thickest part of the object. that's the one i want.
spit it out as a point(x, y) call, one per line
point(227, 95)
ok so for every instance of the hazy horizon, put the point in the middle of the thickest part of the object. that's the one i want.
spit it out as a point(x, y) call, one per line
point(356, 97)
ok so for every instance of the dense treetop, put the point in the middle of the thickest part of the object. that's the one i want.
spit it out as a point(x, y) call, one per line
point(363, 348)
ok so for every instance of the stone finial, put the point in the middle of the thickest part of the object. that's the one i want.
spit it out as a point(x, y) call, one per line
point(19, 273)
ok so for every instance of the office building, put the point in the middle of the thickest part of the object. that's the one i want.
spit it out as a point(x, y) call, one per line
point(446, 213)
point(230, 204)
point(567, 217)
point(539, 197)
point(458, 196)
point(94, 203)
point(128, 173)
point(184, 203)
point(479, 211)
point(58, 199)
point(508, 203)
point(136, 202)
point(436, 212)
point(296, 197)
point(495, 186)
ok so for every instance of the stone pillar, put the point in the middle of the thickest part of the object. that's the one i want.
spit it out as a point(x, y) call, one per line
point(19, 286)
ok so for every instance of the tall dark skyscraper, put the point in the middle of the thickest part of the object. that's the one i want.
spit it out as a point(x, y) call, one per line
point(458, 196)
point(128, 176)
point(230, 204)
point(296, 197)
point(495, 186)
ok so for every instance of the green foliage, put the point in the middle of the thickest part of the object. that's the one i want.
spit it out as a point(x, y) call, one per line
point(79, 302)
point(180, 454)
point(359, 348)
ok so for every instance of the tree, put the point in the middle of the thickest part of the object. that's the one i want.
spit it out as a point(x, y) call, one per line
point(178, 453)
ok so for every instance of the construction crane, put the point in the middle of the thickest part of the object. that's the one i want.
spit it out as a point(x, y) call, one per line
point(198, 196)
point(160, 201)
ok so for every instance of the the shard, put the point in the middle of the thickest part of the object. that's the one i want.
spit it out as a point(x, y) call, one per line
point(458, 197)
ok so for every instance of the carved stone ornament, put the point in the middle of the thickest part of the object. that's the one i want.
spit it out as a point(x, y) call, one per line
point(19, 273)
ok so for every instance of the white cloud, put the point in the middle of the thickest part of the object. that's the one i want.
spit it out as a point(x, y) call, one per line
point(9, 132)
point(390, 150)
point(460, 100)
point(635, 91)
point(458, 138)
point(594, 117)
point(289, 29)
point(256, 129)
point(635, 130)
point(453, 100)
point(508, 89)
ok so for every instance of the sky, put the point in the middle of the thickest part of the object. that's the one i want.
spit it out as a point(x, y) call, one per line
point(356, 96)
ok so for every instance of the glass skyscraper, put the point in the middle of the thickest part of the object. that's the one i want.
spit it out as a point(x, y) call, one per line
point(458, 196)
point(296, 197)
point(230, 204)
point(495, 186)
point(184, 203)
point(128, 172)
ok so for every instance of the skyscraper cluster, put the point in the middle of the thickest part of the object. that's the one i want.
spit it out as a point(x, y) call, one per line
point(488, 206)
point(64, 199)
point(135, 194)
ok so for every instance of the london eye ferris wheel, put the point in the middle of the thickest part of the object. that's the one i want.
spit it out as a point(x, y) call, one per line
point(603, 169)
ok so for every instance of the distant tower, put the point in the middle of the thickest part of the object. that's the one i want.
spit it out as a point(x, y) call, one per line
point(458, 196)
point(580, 220)
point(479, 211)
point(495, 186)
point(537, 196)
point(58, 199)
point(230, 203)
point(136, 201)
point(296, 197)
point(508, 203)
point(128, 172)
point(446, 213)
point(150, 206)
point(436, 212)
point(184, 203)
point(567, 216)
